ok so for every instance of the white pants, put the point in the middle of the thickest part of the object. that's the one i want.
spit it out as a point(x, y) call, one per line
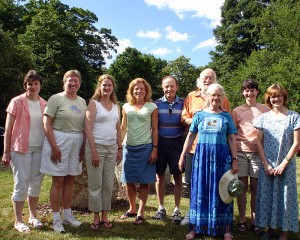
point(101, 179)
point(26, 172)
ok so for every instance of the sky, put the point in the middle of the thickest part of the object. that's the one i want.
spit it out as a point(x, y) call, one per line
point(167, 29)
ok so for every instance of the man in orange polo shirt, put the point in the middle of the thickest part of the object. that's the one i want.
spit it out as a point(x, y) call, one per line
point(193, 103)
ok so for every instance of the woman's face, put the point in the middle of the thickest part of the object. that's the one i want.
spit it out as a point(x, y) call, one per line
point(106, 87)
point(250, 94)
point(277, 101)
point(215, 98)
point(139, 91)
point(33, 88)
point(72, 84)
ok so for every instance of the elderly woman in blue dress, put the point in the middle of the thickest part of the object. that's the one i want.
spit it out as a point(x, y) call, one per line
point(215, 154)
point(277, 140)
point(140, 123)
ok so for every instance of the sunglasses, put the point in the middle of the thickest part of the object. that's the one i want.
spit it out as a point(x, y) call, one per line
point(170, 108)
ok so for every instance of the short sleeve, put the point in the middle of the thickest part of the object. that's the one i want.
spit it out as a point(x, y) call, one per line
point(258, 122)
point(12, 107)
point(51, 107)
point(296, 121)
point(231, 129)
point(195, 122)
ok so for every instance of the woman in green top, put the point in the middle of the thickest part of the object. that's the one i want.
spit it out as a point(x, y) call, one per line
point(64, 147)
point(139, 122)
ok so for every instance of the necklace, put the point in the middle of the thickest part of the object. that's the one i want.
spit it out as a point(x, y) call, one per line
point(105, 104)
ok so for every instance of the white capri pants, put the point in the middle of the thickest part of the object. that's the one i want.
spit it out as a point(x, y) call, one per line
point(101, 179)
point(26, 173)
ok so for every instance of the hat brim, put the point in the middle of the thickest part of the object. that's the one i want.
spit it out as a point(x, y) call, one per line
point(223, 186)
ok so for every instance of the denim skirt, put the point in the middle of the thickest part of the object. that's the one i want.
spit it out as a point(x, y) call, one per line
point(136, 167)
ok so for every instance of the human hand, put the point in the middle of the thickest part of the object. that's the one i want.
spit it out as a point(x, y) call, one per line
point(55, 155)
point(268, 169)
point(153, 156)
point(95, 160)
point(181, 164)
point(6, 159)
point(234, 167)
point(119, 156)
point(82, 153)
point(279, 170)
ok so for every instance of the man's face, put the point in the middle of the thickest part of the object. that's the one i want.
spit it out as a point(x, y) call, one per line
point(207, 78)
point(169, 87)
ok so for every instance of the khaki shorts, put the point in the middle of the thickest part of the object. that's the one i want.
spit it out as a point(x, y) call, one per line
point(249, 163)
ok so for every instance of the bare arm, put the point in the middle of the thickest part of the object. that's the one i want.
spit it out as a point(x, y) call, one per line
point(186, 148)
point(260, 147)
point(90, 115)
point(55, 150)
point(291, 153)
point(154, 128)
point(119, 141)
point(123, 125)
point(232, 146)
point(10, 120)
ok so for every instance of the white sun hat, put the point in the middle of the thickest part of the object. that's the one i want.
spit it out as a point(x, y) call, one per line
point(230, 187)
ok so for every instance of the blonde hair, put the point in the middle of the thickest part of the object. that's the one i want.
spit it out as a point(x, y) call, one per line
point(129, 96)
point(274, 91)
point(98, 94)
point(71, 73)
point(210, 89)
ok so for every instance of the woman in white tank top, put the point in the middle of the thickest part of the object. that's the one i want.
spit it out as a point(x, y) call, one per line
point(103, 148)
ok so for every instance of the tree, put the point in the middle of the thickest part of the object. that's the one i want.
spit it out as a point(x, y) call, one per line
point(14, 63)
point(237, 37)
point(62, 38)
point(132, 64)
point(279, 61)
point(185, 73)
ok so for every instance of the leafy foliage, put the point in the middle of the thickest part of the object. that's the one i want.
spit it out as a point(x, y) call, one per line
point(279, 62)
point(132, 64)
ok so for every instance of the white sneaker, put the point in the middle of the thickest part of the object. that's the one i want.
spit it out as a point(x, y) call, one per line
point(186, 219)
point(70, 220)
point(57, 226)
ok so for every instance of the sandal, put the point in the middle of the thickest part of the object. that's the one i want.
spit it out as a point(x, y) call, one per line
point(95, 226)
point(139, 220)
point(191, 235)
point(255, 229)
point(35, 223)
point(242, 227)
point(22, 228)
point(106, 224)
point(128, 215)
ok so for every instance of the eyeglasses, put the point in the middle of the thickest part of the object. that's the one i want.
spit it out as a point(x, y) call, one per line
point(170, 108)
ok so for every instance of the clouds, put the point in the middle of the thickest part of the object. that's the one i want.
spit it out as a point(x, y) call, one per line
point(175, 36)
point(149, 34)
point(209, 10)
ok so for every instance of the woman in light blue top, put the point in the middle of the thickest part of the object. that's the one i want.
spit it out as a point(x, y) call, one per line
point(140, 123)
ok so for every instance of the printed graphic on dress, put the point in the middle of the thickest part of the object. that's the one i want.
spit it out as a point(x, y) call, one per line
point(213, 124)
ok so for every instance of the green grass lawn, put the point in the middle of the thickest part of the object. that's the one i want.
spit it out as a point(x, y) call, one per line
point(121, 230)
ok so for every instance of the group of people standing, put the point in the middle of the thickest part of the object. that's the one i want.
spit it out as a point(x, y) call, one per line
point(253, 140)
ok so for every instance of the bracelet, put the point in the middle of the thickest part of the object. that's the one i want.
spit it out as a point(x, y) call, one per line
point(234, 159)
point(120, 148)
point(287, 159)
point(155, 147)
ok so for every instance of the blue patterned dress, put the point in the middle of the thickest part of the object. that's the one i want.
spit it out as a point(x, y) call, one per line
point(276, 198)
point(212, 158)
